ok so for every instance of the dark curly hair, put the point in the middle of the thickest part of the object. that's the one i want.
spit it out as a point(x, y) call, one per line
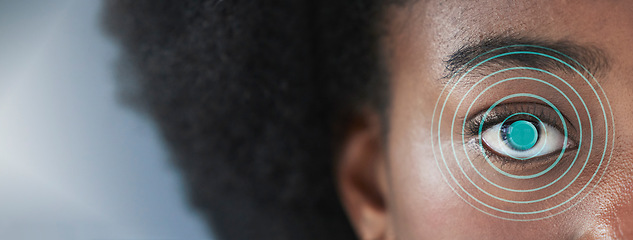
point(251, 97)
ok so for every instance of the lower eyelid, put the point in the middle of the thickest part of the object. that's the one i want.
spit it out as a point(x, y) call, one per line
point(511, 164)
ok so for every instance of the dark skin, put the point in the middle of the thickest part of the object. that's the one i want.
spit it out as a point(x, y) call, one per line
point(391, 185)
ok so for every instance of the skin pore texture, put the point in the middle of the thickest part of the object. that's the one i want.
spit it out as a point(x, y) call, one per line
point(393, 187)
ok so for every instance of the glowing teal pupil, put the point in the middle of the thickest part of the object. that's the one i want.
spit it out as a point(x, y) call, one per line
point(521, 135)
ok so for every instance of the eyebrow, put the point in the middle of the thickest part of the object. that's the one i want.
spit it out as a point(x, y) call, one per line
point(592, 58)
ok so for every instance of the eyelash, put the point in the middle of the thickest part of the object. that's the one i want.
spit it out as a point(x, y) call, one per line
point(504, 111)
point(501, 113)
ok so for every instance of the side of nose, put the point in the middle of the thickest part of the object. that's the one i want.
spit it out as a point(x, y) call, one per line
point(612, 201)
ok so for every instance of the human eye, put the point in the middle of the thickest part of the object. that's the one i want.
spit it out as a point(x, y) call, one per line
point(522, 133)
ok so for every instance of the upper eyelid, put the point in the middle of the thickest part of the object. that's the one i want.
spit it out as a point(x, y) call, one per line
point(504, 110)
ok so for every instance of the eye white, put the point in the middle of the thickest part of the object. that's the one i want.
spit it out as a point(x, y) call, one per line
point(550, 140)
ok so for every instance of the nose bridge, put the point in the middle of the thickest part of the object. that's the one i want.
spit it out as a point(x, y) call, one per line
point(612, 203)
point(619, 215)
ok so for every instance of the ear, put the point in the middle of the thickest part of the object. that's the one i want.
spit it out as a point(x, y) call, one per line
point(361, 176)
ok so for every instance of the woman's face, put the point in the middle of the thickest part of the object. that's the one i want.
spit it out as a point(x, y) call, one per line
point(508, 120)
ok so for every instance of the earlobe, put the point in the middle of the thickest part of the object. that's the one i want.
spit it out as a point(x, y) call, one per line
point(361, 177)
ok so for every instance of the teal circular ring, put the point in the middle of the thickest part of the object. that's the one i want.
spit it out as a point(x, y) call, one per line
point(495, 166)
point(507, 189)
point(560, 156)
point(464, 141)
point(604, 152)
point(506, 218)
point(606, 123)
point(515, 190)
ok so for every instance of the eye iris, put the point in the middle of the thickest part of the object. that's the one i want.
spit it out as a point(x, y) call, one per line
point(521, 135)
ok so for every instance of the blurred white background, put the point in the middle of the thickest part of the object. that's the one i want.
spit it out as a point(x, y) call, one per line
point(74, 162)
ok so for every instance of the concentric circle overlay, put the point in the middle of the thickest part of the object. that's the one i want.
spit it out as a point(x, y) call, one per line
point(553, 132)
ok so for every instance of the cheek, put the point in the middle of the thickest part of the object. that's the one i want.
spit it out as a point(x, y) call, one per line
point(423, 206)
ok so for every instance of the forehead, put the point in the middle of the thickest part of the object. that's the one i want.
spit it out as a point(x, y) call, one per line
point(429, 31)
point(549, 17)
